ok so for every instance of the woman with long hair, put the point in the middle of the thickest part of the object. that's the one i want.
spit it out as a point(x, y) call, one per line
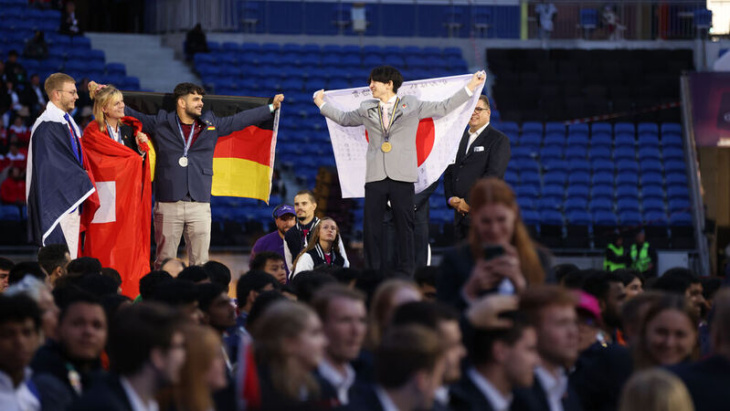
point(204, 370)
point(288, 346)
point(500, 256)
point(388, 296)
point(668, 334)
point(655, 390)
point(322, 249)
point(116, 148)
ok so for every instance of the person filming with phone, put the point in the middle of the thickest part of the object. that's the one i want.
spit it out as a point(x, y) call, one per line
point(499, 256)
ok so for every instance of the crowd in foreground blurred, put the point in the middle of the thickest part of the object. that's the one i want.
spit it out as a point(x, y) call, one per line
point(486, 330)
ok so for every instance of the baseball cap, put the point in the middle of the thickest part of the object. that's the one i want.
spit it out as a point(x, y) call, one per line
point(589, 305)
point(283, 209)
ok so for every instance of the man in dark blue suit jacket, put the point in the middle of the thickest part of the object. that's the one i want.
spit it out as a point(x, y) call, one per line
point(483, 152)
point(184, 142)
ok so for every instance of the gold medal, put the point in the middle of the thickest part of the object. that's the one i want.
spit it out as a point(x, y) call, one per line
point(386, 147)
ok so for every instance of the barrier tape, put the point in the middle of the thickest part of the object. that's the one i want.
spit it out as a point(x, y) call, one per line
point(605, 117)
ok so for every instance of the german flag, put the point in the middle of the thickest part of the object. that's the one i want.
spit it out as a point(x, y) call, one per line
point(243, 162)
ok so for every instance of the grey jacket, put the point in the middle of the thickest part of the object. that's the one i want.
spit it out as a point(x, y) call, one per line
point(401, 163)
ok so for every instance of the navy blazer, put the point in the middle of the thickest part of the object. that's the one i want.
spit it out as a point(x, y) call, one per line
point(107, 395)
point(535, 398)
point(707, 382)
point(173, 182)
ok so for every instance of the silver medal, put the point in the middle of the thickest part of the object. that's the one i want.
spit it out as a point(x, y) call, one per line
point(183, 161)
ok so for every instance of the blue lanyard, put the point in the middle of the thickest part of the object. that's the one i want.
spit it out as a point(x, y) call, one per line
point(190, 137)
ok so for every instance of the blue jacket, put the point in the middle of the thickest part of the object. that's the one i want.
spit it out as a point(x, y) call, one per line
point(173, 182)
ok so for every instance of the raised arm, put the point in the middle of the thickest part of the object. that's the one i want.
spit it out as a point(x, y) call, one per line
point(347, 119)
point(148, 121)
point(441, 108)
point(239, 121)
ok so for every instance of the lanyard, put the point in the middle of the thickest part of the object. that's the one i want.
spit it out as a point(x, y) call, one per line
point(111, 132)
point(386, 135)
point(190, 137)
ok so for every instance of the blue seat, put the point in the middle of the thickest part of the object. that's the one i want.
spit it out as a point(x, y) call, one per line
point(624, 153)
point(525, 164)
point(577, 140)
point(677, 193)
point(627, 204)
point(530, 217)
point(554, 191)
point(575, 204)
point(532, 127)
point(603, 166)
point(651, 166)
point(675, 166)
point(605, 192)
point(655, 218)
point(652, 192)
point(652, 205)
point(601, 128)
point(555, 127)
point(600, 153)
point(578, 192)
point(605, 218)
point(648, 140)
point(675, 128)
point(672, 140)
point(652, 179)
point(578, 129)
point(673, 153)
point(624, 140)
point(680, 219)
point(578, 166)
point(676, 179)
point(601, 140)
point(511, 178)
point(629, 192)
point(554, 178)
point(549, 203)
point(551, 217)
point(579, 179)
point(602, 178)
point(554, 140)
point(575, 152)
point(600, 204)
point(531, 140)
point(551, 152)
point(627, 128)
point(531, 178)
point(555, 165)
point(526, 203)
point(648, 128)
point(649, 153)
point(579, 217)
point(630, 218)
point(9, 213)
point(628, 166)
point(527, 192)
point(626, 178)
point(508, 127)
point(679, 204)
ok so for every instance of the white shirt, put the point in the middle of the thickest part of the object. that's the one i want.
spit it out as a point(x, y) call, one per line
point(473, 136)
point(555, 388)
point(18, 398)
point(135, 400)
point(546, 12)
point(441, 396)
point(342, 383)
point(499, 402)
point(384, 398)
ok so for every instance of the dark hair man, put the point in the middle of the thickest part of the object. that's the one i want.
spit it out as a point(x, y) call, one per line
point(218, 273)
point(248, 288)
point(683, 281)
point(184, 169)
point(483, 152)
point(147, 352)
point(182, 295)
point(195, 274)
point(5, 267)
point(54, 258)
point(271, 263)
point(148, 284)
point(20, 335)
point(344, 322)
point(284, 219)
point(608, 288)
point(391, 161)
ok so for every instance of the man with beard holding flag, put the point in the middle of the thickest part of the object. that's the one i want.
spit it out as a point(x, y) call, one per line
point(117, 150)
point(59, 184)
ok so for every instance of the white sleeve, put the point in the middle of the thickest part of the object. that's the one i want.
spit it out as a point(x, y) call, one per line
point(341, 247)
point(305, 263)
point(287, 256)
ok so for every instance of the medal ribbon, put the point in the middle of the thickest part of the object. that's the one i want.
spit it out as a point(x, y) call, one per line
point(190, 137)
point(386, 136)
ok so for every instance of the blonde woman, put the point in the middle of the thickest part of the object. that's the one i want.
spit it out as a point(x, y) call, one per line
point(655, 390)
point(110, 120)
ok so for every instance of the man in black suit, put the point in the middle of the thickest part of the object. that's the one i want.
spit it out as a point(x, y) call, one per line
point(707, 380)
point(147, 352)
point(34, 96)
point(483, 152)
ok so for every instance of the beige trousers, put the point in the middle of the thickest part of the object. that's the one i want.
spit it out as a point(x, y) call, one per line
point(190, 219)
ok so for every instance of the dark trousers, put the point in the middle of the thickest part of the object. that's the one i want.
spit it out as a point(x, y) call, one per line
point(420, 237)
point(401, 196)
point(461, 226)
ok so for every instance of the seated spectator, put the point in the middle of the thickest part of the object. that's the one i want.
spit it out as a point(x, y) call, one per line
point(271, 263)
point(684, 282)
point(173, 266)
point(344, 321)
point(182, 295)
point(195, 42)
point(195, 274)
point(26, 268)
point(34, 97)
point(40, 292)
point(147, 353)
point(248, 288)
point(12, 189)
point(5, 267)
point(218, 274)
point(203, 372)
point(69, 20)
point(36, 47)
point(284, 219)
point(14, 71)
point(322, 249)
point(633, 282)
point(288, 345)
point(20, 336)
point(608, 289)
point(656, 390)
point(68, 367)
point(390, 295)
point(114, 276)
point(425, 278)
point(510, 262)
point(409, 364)
point(668, 334)
point(14, 154)
point(20, 130)
point(149, 283)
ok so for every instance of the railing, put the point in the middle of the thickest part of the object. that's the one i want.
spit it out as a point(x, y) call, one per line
point(506, 19)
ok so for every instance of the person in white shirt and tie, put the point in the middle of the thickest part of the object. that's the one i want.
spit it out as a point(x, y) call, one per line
point(391, 162)
point(483, 152)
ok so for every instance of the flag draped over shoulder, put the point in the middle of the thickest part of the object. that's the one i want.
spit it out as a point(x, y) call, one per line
point(243, 162)
point(436, 142)
point(56, 184)
point(119, 234)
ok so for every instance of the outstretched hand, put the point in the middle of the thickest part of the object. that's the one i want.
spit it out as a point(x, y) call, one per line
point(477, 79)
point(319, 98)
point(277, 101)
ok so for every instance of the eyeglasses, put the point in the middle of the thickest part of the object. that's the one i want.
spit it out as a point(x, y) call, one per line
point(73, 93)
point(480, 109)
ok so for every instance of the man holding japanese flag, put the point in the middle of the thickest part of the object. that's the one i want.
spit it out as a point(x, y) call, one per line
point(391, 124)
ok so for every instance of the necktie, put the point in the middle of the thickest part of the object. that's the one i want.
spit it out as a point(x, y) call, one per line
point(386, 122)
point(74, 139)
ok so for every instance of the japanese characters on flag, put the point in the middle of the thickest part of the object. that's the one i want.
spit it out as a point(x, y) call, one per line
point(437, 140)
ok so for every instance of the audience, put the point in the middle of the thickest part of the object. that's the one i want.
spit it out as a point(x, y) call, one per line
point(322, 249)
point(40, 292)
point(203, 372)
point(389, 295)
point(271, 263)
point(656, 390)
point(218, 274)
point(5, 267)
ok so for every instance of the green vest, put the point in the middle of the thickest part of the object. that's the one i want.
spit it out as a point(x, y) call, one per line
point(610, 265)
point(640, 258)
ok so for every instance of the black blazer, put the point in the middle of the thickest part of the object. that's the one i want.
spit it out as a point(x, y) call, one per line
point(489, 161)
point(364, 398)
point(465, 396)
point(600, 374)
point(707, 382)
point(107, 394)
point(172, 182)
point(535, 398)
point(127, 136)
